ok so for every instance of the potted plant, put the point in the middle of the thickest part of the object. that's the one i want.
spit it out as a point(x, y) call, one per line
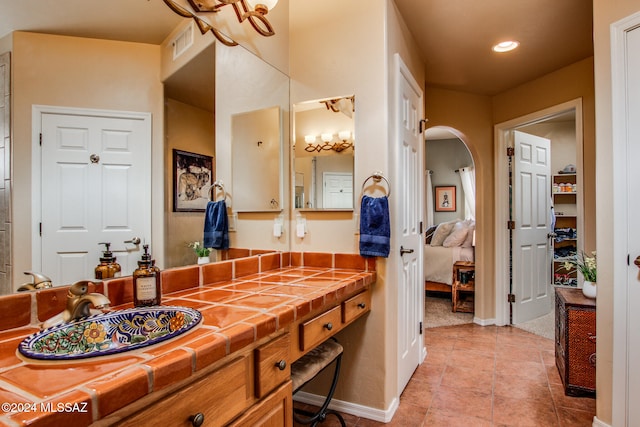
point(587, 266)
point(201, 252)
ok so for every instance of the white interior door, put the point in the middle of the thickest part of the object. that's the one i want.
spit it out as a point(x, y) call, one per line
point(96, 187)
point(626, 231)
point(409, 169)
point(337, 190)
point(633, 274)
point(531, 206)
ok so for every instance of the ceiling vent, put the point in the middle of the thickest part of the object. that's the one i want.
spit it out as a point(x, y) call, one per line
point(183, 41)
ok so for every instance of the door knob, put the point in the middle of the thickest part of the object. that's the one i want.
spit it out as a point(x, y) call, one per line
point(637, 261)
point(134, 240)
point(405, 251)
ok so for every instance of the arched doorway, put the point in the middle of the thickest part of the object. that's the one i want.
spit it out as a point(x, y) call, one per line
point(449, 224)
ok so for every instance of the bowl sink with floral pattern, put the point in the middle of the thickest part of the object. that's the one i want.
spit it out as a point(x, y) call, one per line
point(110, 333)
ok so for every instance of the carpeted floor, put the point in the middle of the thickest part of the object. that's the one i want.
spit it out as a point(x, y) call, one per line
point(438, 313)
point(543, 326)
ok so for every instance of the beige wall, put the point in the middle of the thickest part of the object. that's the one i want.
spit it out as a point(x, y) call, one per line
point(191, 129)
point(470, 115)
point(605, 13)
point(324, 64)
point(82, 73)
point(327, 64)
point(568, 83)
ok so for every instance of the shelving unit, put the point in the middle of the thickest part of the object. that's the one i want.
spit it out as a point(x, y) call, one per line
point(565, 245)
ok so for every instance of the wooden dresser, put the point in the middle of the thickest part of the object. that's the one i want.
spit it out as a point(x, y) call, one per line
point(576, 341)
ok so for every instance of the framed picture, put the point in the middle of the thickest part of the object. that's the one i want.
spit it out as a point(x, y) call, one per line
point(445, 198)
point(192, 180)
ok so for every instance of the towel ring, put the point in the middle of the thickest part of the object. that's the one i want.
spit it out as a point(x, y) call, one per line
point(212, 191)
point(377, 177)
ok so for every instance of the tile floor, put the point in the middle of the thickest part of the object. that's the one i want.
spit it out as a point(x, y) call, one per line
point(485, 376)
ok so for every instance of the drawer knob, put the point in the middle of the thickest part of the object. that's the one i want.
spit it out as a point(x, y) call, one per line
point(362, 305)
point(328, 326)
point(197, 420)
point(281, 365)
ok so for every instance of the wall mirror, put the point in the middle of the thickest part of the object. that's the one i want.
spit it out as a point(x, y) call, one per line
point(199, 114)
point(256, 144)
point(252, 110)
point(324, 149)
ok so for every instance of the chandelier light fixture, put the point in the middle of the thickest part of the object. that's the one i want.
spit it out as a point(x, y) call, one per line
point(254, 11)
point(344, 141)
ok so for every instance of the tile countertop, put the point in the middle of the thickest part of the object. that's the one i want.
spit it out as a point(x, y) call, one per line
point(235, 314)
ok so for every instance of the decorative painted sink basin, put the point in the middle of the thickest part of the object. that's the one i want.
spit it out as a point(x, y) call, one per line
point(110, 333)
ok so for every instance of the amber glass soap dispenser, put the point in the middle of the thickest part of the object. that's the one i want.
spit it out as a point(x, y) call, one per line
point(108, 266)
point(146, 282)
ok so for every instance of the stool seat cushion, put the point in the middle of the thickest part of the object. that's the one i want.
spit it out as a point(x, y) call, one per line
point(309, 365)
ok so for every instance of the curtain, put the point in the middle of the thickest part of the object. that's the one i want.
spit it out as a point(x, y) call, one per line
point(468, 177)
point(428, 193)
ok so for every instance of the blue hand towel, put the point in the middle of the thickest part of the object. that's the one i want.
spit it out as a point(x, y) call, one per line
point(375, 230)
point(216, 227)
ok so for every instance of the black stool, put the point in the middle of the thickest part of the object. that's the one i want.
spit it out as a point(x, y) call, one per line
point(306, 368)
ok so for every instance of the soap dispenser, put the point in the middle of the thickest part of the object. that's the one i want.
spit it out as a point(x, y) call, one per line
point(108, 266)
point(146, 282)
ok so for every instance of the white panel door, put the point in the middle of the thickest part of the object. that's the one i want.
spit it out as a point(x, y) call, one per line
point(633, 213)
point(337, 190)
point(531, 206)
point(409, 170)
point(96, 187)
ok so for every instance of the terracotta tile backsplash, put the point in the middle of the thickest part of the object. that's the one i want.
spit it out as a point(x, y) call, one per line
point(217, 272)
point(246, 266)
point(16, 310)
point(120, 290)
point(178, 279)
point(351, 261)
point(315, 259)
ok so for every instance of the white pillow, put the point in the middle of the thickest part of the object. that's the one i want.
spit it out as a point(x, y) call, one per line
point(457, 236)
point(471, 227)
point(442, 232)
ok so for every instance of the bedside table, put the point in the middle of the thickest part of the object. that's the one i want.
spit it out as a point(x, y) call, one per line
point(463, 286)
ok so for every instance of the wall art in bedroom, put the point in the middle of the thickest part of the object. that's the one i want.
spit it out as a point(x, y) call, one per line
point(445, 198)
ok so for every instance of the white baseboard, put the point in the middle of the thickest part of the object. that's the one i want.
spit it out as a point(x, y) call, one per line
point(484, 322)
point(598, 423)
point(380, 415)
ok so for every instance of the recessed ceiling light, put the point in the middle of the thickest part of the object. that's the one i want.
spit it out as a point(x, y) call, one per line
point(505, 46)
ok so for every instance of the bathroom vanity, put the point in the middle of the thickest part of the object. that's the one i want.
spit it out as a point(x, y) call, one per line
point(260, 314)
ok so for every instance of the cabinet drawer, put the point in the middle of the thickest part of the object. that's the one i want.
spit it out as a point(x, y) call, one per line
point(219, 397)
point(274, 411)
point(318, 329)
point(356, 306)
point(272, 365)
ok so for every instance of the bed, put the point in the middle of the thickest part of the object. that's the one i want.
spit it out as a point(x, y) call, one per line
point(445, 244)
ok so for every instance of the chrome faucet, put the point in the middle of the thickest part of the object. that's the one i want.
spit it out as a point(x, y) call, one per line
point(40, 281)
point(78, 302)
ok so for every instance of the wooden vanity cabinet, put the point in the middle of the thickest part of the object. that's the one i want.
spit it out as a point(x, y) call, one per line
point(218, 397)
point(318, 329)
point(356, 306)
point(273, 366)
point(310, 331)
point(244, 385)
point(274, 411)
